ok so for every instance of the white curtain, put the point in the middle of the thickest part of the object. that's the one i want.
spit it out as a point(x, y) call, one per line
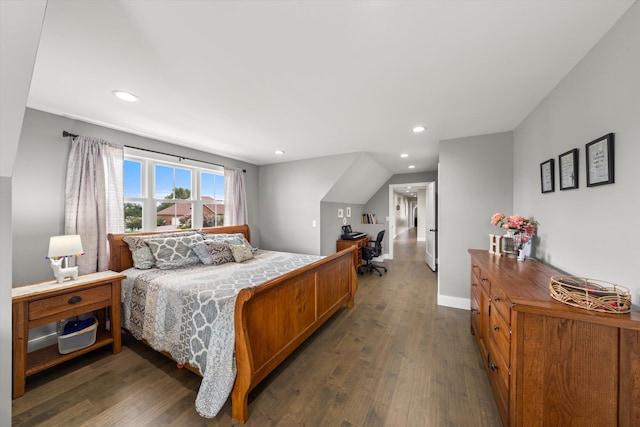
point(94, 198)
point(235, 197)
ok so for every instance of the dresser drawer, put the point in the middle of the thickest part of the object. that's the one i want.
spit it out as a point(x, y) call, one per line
point(475, 311)
point(501, 304)
point(475, 271)
point(61, 303)
point(501, 335)
point(499, 379)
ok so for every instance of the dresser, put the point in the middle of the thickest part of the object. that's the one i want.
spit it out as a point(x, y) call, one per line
point(550, 364)
point(357, 255)
point(46, 302)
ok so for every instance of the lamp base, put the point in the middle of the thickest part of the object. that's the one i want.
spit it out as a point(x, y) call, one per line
point(61, 272)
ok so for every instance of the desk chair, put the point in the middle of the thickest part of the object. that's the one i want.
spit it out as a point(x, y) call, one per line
point(372, 251)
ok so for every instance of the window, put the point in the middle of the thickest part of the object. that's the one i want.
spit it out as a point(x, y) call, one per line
point(161, 194)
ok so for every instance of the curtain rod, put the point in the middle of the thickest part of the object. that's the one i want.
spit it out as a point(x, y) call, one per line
point(66, 134)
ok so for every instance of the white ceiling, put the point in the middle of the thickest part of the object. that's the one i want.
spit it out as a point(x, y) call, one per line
point(245, 78)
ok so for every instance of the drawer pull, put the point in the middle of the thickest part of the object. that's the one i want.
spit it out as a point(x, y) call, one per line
point(496, 328)
point(496, 299)
point(484, 279)
point(493, 367)
point(75, 299)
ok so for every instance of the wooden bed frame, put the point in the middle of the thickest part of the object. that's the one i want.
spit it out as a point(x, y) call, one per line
point(273, 319)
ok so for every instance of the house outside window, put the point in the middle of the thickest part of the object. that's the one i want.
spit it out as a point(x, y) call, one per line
point(162, 194)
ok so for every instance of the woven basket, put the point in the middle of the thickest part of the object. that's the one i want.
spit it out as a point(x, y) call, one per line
point(590, 294)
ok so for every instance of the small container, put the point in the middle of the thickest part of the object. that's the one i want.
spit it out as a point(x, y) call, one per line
point(77, 340)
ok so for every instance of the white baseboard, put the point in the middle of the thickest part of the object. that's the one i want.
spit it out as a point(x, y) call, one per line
point(42, 342)
point(454, 302)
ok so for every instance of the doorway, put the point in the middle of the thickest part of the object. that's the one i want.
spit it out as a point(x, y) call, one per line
point(408, 206)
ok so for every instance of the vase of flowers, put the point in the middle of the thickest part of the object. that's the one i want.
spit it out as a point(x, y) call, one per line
point(518, 228)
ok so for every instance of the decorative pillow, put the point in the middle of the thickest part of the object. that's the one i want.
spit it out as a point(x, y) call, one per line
point(232, 239)
point(213, 253)
point(143, 259)
point(174, 252)
point(241, 253)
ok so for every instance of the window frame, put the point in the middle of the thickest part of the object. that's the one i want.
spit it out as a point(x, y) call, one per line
point(148, 162)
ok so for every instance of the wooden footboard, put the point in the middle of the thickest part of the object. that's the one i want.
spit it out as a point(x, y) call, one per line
point(273, 319)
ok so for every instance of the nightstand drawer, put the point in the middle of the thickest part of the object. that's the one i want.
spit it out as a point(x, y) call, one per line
point(61, 303)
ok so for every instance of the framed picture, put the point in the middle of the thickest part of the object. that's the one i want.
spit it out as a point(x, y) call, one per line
point(600, 161)
point(568, 165)
point(340, 213)
point(547, 177)
point(348, 211)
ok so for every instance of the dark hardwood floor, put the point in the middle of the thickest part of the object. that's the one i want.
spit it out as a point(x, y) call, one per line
point(396, 359)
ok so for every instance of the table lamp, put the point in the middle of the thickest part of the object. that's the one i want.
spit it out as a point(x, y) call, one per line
point(64, 247)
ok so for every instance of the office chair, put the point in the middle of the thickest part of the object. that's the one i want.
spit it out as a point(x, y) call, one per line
point(372, 251)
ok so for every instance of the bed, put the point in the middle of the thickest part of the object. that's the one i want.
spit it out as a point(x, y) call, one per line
point(269, 320)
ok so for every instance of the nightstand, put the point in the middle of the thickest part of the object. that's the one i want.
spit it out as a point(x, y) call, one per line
point(47, 302)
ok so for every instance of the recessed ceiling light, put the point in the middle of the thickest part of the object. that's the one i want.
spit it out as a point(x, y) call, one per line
point(404, 155)
point(418, 129)
point(125, 96)
point(412, 166)
point(279, 152)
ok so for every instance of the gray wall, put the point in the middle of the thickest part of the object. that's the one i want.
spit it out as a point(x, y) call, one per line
point(591, 231)
point(5, 301)
point(20, 25)
point(476, 181)
point(332, 225)
point(39, 185)
point(290, 199)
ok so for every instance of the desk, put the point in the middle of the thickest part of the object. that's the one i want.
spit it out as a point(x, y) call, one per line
point(357, 255)
point(47, 302)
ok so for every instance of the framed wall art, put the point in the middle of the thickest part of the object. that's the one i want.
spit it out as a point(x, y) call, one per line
point(547, 177)
point(600, 167)
point(568, 169)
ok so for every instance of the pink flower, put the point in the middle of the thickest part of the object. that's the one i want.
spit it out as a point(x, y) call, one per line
point(515, 221)
point(496, 218)
point(522, 227)
point(530, 229)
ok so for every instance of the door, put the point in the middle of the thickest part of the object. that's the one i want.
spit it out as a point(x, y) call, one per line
point(430, 219)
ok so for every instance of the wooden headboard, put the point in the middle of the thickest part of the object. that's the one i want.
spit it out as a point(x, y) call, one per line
point(120, 258)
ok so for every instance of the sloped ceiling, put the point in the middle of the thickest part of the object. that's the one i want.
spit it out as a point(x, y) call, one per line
point(360, 181)
point(19, 35)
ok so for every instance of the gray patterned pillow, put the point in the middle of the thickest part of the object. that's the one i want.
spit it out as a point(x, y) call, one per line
point(142, 257)
point(241, 253)
point(174, 252)
point(213, 253)
point(232, 239)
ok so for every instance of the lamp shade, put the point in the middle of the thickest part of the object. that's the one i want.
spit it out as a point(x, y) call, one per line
point(65, 246)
